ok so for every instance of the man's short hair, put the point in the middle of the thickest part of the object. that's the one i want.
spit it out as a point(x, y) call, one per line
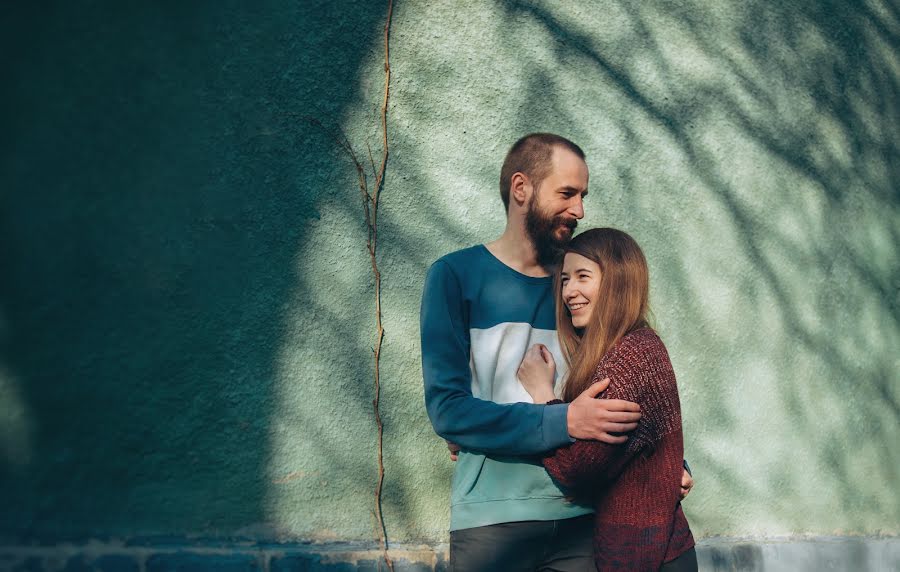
point(533, 156)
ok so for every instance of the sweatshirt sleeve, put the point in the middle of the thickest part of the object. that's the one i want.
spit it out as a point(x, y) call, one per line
point(634, 376)
point(456, 415)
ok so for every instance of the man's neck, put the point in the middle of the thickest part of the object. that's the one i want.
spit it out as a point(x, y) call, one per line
point(515, 249)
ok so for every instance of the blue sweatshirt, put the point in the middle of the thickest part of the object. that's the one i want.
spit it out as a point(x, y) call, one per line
point(478, 319)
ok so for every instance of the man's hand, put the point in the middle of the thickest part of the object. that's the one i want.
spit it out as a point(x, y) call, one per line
point(454, 451)
point(687, 483)
point(599, 419)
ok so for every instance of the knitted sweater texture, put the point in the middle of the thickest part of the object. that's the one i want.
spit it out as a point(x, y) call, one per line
point(635, 486)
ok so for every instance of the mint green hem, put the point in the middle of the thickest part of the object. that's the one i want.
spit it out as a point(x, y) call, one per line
point(484, 513)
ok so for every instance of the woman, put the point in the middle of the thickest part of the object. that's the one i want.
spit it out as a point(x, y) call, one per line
point(601, 316)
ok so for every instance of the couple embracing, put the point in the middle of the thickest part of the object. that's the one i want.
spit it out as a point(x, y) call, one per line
point(556, 397)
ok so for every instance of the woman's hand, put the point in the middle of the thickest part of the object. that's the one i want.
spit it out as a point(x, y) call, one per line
point(536, 373)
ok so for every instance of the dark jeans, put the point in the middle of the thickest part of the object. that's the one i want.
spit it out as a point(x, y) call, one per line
point(687, 562)
point(530, 546)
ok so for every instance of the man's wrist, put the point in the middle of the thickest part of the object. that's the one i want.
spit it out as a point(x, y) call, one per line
point(556, 425)
point(568, 426)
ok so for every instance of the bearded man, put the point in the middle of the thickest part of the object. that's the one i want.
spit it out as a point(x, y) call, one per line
point(482, 308)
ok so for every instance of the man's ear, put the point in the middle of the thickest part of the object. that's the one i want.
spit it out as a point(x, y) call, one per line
point(519, 188)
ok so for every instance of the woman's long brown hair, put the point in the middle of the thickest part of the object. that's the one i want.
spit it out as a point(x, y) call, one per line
point(620, 307)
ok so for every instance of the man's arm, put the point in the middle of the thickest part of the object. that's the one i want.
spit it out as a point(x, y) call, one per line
point(458, 416)
point(485, 426)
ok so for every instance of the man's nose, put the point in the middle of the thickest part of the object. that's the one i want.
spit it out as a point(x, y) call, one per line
point(576, 209)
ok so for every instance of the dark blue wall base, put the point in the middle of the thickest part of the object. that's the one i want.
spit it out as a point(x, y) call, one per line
point(860, 554)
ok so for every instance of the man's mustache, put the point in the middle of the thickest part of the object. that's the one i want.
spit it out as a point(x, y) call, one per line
point(569, 222)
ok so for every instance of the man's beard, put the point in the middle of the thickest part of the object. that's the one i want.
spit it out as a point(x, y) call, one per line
point(543, 232)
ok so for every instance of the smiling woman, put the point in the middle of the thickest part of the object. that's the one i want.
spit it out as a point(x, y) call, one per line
point(601, 309)
point(602, 294)
point(580, 283)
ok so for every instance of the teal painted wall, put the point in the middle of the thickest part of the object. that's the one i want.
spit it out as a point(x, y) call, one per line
point(186, 309)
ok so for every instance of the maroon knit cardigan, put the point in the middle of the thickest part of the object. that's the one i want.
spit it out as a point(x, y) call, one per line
point(635, 486)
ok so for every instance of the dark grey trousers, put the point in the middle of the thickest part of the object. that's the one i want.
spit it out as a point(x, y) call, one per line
point(687, 562)
point(530, 546)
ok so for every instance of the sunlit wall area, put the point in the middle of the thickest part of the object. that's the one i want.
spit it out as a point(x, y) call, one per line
point(751, 150)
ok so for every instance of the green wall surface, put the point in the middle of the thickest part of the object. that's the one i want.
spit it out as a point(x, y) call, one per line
point(186, 301)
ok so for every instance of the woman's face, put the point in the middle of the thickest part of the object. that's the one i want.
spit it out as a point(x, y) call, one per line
point(580, 285)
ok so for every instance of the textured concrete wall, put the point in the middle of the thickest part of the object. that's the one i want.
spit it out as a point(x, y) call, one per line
point(186, 311)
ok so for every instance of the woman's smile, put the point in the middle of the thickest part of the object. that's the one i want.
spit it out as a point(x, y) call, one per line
point(580, 284)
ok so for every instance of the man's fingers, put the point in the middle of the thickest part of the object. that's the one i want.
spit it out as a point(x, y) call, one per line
point(611, 439)
point(621, 405)
point(619, 427)
point(621, 416)
point(687, 483)
point(596, 388)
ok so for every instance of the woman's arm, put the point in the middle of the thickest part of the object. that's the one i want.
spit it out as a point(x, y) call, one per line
point(587, 462)
point(639, 370)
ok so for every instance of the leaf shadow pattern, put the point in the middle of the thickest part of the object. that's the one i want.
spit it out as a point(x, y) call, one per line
point(811, 99)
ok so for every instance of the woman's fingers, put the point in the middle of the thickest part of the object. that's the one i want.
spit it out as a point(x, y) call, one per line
point(539, 355)
point(548, 357)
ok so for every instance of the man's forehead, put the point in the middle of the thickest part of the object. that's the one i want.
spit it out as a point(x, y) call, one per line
point(561, 152)
point(563, 158)
point(571, 167)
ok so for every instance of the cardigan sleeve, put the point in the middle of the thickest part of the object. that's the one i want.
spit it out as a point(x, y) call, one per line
point(635, 376)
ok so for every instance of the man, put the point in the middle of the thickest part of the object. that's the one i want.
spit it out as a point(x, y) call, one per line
point(482, 308)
